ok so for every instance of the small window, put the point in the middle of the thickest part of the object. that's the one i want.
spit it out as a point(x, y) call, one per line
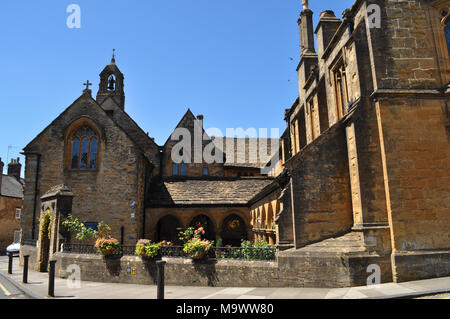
point(18, 213)
point(205, 170)
point(17, 236)
point(91, 225)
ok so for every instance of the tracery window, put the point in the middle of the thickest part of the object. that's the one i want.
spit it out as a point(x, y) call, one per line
point(341, 89)
point(84, 148)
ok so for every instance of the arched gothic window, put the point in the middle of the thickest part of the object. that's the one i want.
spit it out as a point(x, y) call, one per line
point(84, 142)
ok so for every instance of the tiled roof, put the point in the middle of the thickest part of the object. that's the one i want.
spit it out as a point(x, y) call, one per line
point(11, 187)
point(241, 158)
point(224, 191)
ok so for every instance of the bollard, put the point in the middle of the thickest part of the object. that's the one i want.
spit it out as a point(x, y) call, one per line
point(51, 278)
point(160, 279)
point(25, 268)
point(10, 262)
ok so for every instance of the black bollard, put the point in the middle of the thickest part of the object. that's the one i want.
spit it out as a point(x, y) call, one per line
point(51, 278)
point(10, 262)
point(25, 268)
point(160, 279)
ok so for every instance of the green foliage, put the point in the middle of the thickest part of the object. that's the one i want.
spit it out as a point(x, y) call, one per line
point(219, 242)
point(186, 235)
point(260, 250)
point(46, 224)
point(83, 233)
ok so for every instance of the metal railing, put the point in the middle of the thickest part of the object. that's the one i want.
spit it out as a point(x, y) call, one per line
point(240, 253)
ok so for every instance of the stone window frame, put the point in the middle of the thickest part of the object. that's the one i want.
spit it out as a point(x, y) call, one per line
point(438, 23)
point(18, 213)
point(70, 137)
point(341, 97)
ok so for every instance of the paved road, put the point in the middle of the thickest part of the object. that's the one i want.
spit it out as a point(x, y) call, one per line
point(7, 290)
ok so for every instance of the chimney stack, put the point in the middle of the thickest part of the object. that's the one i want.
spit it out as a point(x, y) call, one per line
point(305, 24)
point(14, 168)
point(1, 174)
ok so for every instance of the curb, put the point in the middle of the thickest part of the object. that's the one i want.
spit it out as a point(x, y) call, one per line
point(18, 286)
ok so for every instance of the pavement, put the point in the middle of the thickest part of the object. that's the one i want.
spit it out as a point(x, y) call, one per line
point(11, 286)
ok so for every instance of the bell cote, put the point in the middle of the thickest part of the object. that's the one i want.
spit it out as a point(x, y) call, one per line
point(111, 85)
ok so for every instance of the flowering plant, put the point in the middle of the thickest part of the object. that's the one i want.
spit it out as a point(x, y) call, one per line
point(108, 246)
point(146, 249)
point(197, 248)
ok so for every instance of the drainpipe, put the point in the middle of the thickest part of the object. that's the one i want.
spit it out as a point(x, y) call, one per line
point(33, 228)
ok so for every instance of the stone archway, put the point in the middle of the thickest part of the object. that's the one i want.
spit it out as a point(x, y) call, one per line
point(205, 222)
point(45, 225)
point(233, 231)
point(167, 229)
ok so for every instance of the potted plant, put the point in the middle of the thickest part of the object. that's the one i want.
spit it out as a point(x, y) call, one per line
point(108, 247)
point(194, 246)
point(147, 249)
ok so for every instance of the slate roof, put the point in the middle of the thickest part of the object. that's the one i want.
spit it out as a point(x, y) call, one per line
point(237, 158)
point(195, 192)
point(11, 187)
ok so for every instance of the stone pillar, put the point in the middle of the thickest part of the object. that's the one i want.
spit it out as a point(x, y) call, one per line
point(305, 24)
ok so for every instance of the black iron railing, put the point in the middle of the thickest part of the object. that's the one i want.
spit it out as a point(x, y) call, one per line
point(241, 253)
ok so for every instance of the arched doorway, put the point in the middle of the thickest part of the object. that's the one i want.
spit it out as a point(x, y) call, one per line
point(206, 223)
point(167, 229)
point(234, 231)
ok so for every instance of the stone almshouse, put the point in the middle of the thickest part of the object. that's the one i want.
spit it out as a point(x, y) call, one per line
point(363, 177)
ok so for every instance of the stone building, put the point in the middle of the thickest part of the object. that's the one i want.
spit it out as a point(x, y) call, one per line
point(362, 183)
point(366, 149)
point(11, 197)
point(119, 175)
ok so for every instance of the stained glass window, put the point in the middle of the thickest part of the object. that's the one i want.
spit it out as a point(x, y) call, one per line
point(84, 153)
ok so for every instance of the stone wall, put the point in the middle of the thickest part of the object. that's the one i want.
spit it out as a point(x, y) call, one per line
point(321, 188)
point(178, 271)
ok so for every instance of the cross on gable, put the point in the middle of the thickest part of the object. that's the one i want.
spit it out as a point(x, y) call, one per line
point(88, 84)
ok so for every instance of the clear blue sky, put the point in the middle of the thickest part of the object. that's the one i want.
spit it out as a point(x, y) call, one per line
point(233, 61)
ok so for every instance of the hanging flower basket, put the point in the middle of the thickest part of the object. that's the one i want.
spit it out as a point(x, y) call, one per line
point(197, 248)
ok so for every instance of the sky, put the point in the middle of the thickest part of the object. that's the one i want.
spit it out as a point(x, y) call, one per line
point(233, 61)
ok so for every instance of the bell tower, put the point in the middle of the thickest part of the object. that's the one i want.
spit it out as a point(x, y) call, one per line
point(111, 84)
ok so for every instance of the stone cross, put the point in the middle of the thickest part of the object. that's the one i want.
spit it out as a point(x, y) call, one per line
point(88, 84)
